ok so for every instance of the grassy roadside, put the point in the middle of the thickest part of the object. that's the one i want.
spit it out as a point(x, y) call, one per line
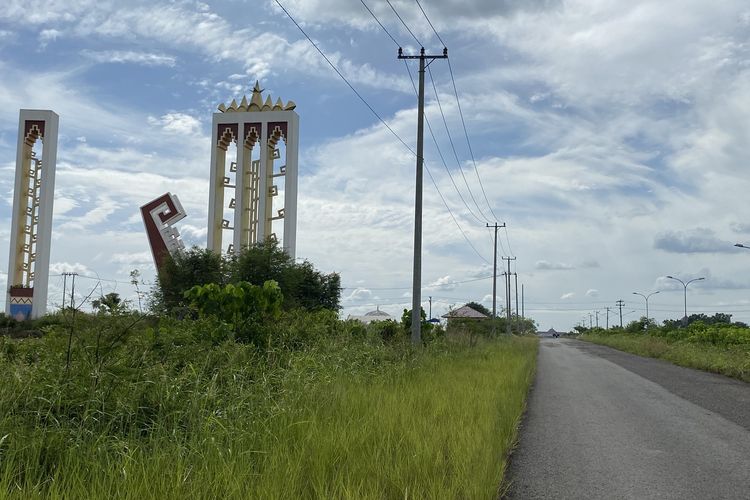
point(348, 416)
point(730, 360)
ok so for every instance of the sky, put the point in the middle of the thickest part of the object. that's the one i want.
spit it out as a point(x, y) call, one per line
point(612, 138)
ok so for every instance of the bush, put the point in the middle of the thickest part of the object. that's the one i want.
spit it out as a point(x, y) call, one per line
point(246, 308)
point(301, 285)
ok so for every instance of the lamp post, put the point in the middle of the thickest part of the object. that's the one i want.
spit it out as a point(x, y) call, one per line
point(685, 285)
point(646, 298)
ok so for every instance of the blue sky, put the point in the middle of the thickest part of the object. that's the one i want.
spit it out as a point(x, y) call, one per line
point(612, 138)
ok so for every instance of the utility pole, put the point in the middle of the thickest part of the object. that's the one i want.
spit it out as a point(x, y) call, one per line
point(65, 283)
point(494, 271)
point(507, 293)
point(591, 320)
point(516, 275)
point(72, 290)
point(620, 303)
point(430, 318)
point(597, 318)
point(416, 303)
point(607, 317)
point(523, 303)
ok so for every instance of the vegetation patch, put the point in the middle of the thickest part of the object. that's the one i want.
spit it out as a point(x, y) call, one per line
point(712, 344)
point(227, 391)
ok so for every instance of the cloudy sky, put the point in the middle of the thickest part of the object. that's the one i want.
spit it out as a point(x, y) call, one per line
point(611, 137)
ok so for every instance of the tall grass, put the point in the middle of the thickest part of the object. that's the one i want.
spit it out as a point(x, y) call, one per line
point(732, 360)
point(171, 415)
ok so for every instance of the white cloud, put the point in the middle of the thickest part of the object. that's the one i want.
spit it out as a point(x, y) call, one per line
point(544, 265)
point(177, 123)
point(592, 292)
point(129, 56)
point(567, 296)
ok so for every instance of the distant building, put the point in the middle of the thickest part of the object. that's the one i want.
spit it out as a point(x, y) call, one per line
point(376, 315)
point(550, 333)
point(464, 312)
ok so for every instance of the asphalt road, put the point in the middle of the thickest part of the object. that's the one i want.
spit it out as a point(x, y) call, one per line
point(603, 424)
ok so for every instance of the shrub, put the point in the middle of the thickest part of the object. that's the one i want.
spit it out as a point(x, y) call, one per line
point(247, 308)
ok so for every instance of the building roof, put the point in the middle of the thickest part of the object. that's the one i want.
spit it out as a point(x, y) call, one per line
point(465, 312)
point(376, 315)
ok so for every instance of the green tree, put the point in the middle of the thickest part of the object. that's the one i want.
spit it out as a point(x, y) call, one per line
point(246, 308)
point(302, 285)
point(479, 308)
point(181, 272)
point(109, 304)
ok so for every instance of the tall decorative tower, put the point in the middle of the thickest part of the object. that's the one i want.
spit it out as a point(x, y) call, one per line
point(31, 223)
point(242, 200)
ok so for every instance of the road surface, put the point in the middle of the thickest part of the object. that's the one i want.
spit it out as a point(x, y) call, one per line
point(603, 424)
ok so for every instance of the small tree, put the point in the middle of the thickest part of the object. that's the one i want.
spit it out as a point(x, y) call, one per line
point(244, 307)
point(302, 285)
point(406, 320)
point(479, 308)
point(181, 272)
point(109, 304)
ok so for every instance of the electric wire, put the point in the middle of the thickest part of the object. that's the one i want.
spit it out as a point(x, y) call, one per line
point(429, 126)
point(468, 142)
point(430, 23)
point(466, 133)
point(451, 283)
point(381, 24)
point(440, 153)
point(393, 132)
point(402, 22)
point(345, 80)
point(453, 147)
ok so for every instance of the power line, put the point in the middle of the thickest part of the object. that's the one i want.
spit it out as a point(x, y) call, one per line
point(468, 142)
point(364, 101)
point(402, 22)
point(466, 133)
point(453, 147)
point(440, 153)
point(428, 286)
point(344, 78)
point(430, 23)
point(381, 24)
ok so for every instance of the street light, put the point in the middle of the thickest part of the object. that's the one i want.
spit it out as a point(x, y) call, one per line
point(646, 298)
point(685, 285)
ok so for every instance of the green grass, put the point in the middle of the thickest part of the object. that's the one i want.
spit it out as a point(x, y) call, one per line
point(168, 415)
point(730, 360)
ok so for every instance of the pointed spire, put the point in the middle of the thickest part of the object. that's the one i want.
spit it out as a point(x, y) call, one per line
point(222, 107)
point(243, 104)
point(268, 105)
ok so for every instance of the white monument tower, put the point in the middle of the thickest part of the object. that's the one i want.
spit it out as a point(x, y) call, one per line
point(31, 223)
point(242, 197)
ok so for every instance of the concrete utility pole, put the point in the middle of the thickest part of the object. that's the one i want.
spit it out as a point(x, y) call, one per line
point(516, 277)
point(72, 290)
point(430, 318)
point(416, 303)
point(620, 303)
point(507, 293)
point(65, 283)
point(523, 303)
point(597, 318)
point(494, 271)
point(591, 320)
point(607, 308)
